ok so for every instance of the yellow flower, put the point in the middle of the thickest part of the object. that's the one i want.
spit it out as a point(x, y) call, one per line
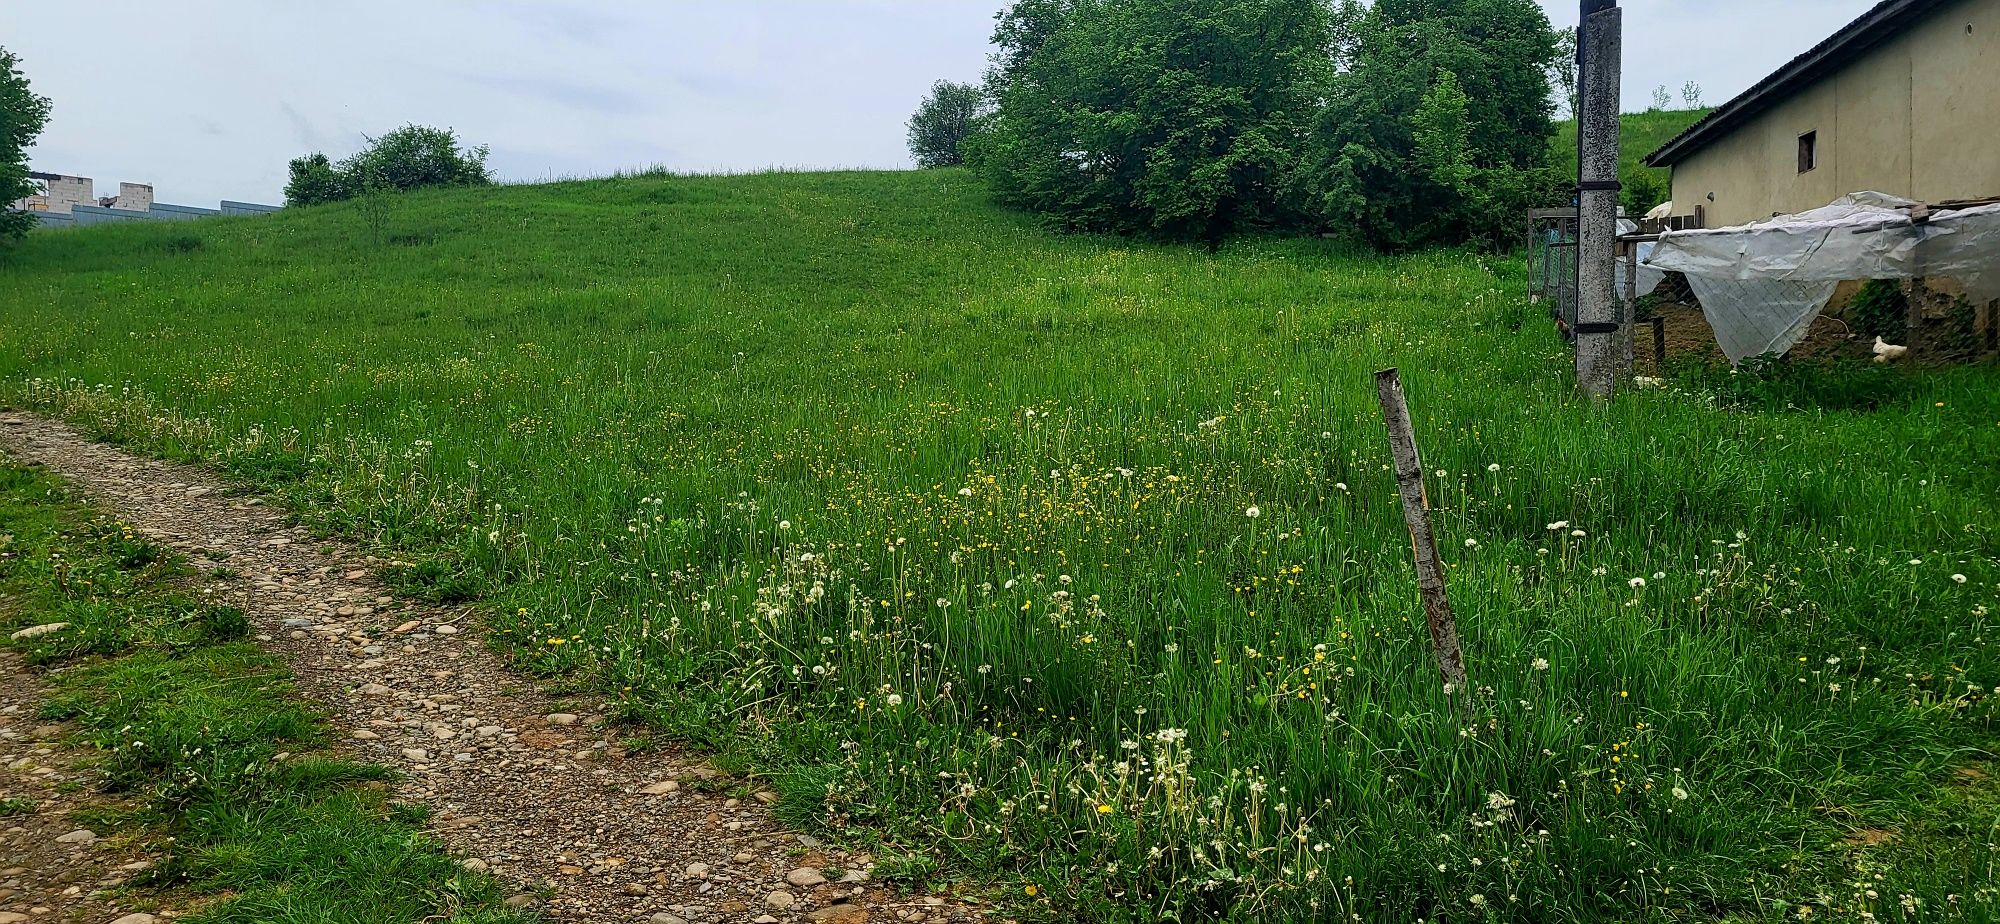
point(1030, 890)
point(1104, 810)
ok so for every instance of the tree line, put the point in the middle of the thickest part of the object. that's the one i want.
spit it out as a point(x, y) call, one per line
point(1402, 123)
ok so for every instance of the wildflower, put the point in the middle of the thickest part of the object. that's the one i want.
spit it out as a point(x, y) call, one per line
point(1472, 543)
point(1680, 794)
point(1478, 900)
point(1558, 526)
point(1638, 583)
point(784, 524)
point(1253, 513)
point(965, 492)
point(1541, 664)
point(1577, 534)
point(1030, 890)
point(943, 604)
point(1958, 578)
point(1104, 810)
point(1916, 561)
point(1494, 467)
point(894, 699)
point(1342, 485)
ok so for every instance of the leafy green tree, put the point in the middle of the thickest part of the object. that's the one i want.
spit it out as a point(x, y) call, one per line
point(1183, 118)
point(315, 180)
point(411, 157)
point(947, 117)
point(22, 116)
point(1439, 130)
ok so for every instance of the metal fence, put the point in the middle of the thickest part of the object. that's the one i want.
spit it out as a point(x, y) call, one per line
point(1552, 236)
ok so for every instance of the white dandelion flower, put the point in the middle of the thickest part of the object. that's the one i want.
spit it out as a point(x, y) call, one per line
point(1253, 513)
point(1637, 583)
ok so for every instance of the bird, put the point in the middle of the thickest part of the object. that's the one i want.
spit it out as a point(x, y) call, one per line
point(1661, 212)
point(1886, 352)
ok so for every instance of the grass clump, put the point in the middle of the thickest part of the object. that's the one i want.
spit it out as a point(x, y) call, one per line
point(943, 523)
point(199, 729)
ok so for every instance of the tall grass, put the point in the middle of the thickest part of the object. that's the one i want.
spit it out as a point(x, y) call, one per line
point(946, 522)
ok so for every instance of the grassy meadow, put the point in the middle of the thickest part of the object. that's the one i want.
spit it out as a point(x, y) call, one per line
point(1074, 565)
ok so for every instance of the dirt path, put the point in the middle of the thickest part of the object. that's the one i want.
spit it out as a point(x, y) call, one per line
point(53, 867)
point(516, 785)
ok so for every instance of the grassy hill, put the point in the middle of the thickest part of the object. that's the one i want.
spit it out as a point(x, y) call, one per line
point(1640, 134)
point(1074, 564)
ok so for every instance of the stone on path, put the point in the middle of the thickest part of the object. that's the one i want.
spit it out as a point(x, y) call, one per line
point(805, 877)
point(78, 836)
point(780, 900)
point(39, 631)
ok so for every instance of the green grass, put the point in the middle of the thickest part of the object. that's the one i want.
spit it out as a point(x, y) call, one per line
point(1639, 134)
point(942, 521)
point(196, 728)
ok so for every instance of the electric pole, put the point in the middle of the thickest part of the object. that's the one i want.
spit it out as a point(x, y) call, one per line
point(1600, 324)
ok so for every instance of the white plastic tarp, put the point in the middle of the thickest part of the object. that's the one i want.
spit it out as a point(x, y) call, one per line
point(1762, 284)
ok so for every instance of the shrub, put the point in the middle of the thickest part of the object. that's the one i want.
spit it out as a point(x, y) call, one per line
point(411, 157)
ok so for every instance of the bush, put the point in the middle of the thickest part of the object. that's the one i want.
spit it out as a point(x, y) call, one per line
point(1176, 117)
point(1438, 131)
point(1405, 123)
point(411, 157)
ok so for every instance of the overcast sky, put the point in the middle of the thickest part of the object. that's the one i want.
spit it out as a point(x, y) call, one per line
point(208, 99)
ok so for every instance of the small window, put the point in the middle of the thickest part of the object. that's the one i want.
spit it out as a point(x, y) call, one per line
point(1808, 152)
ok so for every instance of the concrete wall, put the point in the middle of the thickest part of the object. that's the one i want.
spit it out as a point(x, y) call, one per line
point(1917, 117)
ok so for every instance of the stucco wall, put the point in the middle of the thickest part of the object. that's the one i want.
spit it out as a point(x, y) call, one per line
point(1917, 117)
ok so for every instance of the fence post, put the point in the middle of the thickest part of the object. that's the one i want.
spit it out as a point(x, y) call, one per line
point(1417, 515)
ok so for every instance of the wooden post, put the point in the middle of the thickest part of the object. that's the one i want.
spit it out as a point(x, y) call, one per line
point(1417, 515)
point(1600, 59)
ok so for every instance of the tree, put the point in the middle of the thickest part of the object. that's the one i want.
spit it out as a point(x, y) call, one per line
point(1563, 78)
point(943, 122)
point(22, 117)
point(1181, 118)
point(411, 157)
point(1691, 94)
point(1661, 99)
point(1440, 130)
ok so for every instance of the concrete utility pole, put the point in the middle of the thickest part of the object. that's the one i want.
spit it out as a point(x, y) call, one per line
point(1599, 316)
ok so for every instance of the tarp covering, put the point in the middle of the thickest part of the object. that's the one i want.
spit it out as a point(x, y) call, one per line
point(1762, 284)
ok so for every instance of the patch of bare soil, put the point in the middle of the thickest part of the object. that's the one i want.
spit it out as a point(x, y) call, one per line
point(517, 785)
point(1688, 336)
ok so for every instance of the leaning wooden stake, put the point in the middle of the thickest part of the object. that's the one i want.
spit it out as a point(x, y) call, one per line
point(1417, 513)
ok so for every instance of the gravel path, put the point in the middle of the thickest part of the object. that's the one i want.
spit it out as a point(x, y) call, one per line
point(537, 795)
point(52, 866)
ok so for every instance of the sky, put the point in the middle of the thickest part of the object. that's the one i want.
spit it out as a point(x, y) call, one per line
point(209, 99)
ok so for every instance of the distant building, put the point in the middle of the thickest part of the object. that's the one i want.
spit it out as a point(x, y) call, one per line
point(1904, 100)
point(68, 201)
point(59, 194)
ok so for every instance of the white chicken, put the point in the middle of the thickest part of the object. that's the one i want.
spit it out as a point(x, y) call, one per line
point(1660, 212)
point(1886, 352)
